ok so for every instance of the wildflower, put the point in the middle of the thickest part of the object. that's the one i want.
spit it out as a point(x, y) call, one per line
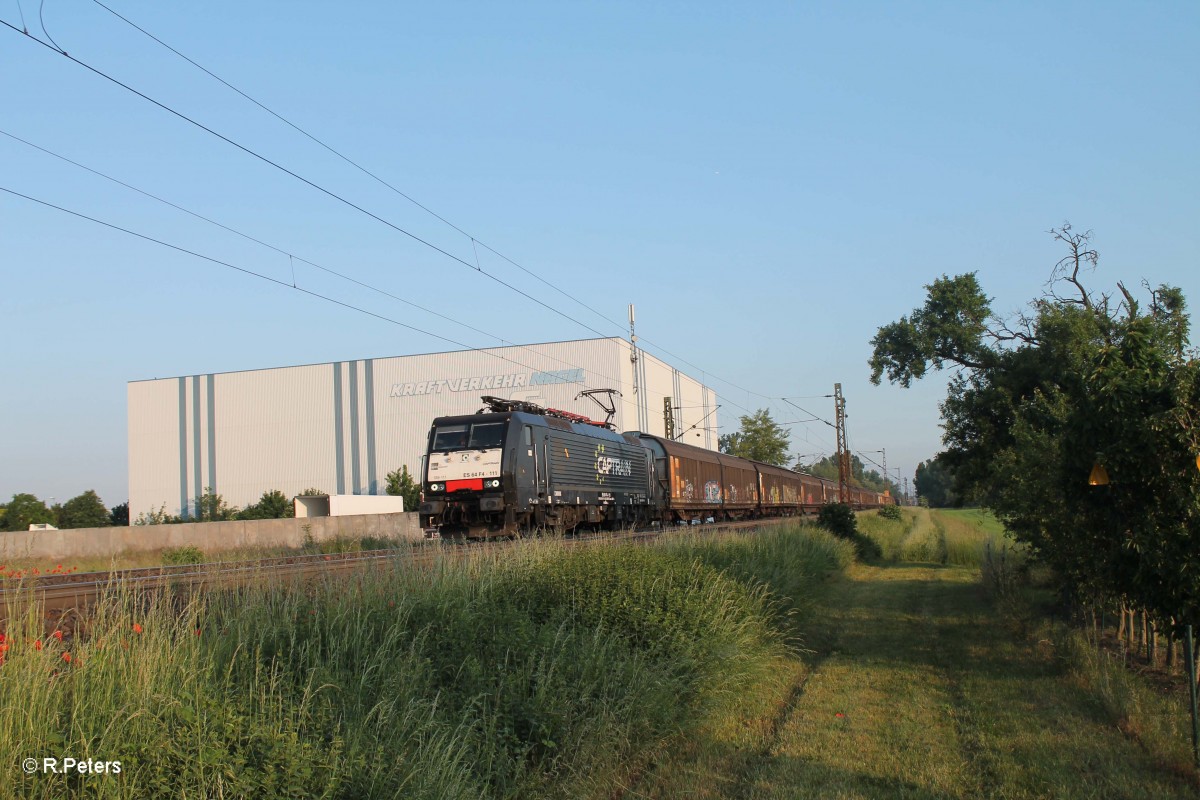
point(35, 571)
point(37, 644)
point(137, 628)
point(3, 648)
point(197, 631)
point(839, 715)
point(67, 657)
point(58, 635)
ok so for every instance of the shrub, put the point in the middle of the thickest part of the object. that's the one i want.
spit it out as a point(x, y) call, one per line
point(838, 519)
point(890, 512)
point(188, 554)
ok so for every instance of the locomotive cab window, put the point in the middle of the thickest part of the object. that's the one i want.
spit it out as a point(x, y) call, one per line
point(487, 435)
point(450, 437)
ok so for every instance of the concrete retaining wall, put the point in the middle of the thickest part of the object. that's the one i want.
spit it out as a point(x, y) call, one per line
point(210, 537)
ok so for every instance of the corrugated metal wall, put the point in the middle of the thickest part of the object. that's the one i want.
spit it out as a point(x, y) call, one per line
point(341, 427)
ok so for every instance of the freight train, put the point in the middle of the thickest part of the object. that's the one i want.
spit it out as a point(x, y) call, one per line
point(515, 467)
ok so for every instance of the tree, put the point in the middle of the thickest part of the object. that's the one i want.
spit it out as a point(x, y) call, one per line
point(401, 484)
point(860, 476)
point(85, 511)
point(25, 510)
point(211, 507)
point(760, 439)
point(934, 483)
point(119, 516)
point(272, 505)
point(1079, 381)
point(158, 516)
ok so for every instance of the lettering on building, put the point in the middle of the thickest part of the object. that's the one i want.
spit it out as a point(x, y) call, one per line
point(513, 380)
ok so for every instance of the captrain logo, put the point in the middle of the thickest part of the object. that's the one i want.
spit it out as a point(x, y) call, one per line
point(610, 465)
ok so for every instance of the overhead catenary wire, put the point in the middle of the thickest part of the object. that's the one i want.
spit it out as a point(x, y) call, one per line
point(333, 195)
point(291, 256)
point(268, 278)
point(300, 178)
point(475, 241)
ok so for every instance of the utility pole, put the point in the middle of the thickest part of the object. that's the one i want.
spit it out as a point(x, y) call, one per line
point(668, 418)
point(906, 491)
point(885, 472)
point(839, 408)
point(633, 359)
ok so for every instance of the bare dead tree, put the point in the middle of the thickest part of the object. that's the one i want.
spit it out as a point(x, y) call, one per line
point(1069, 267)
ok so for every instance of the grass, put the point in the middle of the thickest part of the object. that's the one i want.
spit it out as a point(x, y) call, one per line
point(914, 690)
point(914, 682)
point(542, 672)
point(943, 536)
point(189, 554)
point(888, 534)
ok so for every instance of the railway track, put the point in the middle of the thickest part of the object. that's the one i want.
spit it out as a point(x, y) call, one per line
point(62, 599)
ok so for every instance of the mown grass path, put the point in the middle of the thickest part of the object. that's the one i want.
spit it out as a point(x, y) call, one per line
point(915, 691)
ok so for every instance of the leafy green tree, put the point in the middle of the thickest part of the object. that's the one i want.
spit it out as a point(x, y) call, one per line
point(401, 484)
point(934, 482)
point(25, 510)
point(211, 507)
point(85, 511)
point(119, 515)
point(158, 516)
point(760, 439)
point(827, 468)
point(1080, 380)
point(272, 505)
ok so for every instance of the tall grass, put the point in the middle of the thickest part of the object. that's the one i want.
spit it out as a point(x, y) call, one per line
point(544, 672)
point(889, 534)
point(969, 533)
point(959, 537)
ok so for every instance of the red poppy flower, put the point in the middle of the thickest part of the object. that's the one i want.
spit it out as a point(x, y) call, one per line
point(58, 635)
point(197, 631)
point(839, 715)
point(137, 628)
point(37, 644)
point(67, 657)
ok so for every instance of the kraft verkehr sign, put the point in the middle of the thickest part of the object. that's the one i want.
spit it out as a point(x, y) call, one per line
point(513, 380)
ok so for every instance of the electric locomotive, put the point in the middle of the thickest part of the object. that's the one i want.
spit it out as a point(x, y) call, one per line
point(515, 466)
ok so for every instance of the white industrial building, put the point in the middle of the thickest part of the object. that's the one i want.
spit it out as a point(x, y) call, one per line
point(341, 427)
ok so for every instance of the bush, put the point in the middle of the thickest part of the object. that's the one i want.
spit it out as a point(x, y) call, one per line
point(838, 519)
point(891, 512)
point(188, 554)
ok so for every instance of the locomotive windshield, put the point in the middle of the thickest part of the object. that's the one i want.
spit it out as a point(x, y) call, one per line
point(487, 435)
point(450, 437)
point(481, 436)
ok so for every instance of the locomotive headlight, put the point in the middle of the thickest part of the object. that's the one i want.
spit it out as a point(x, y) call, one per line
point(435, 487)
point(494, 483)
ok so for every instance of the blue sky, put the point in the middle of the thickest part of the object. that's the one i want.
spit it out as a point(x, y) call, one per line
point(769, 183)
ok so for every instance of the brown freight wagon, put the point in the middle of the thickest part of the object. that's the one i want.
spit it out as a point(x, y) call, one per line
point(781, 491)
point(689, 479)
